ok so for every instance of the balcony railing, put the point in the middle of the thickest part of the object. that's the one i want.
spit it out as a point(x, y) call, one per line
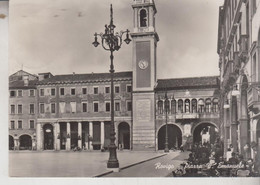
point(189, 115)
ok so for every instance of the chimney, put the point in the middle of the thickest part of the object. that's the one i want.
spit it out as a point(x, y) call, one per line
point(26, 80)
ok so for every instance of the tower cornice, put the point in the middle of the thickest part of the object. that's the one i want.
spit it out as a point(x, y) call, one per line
point(143, 34)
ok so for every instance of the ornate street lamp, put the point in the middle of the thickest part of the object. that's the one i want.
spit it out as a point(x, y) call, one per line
point(166, 107)
point(112, 41)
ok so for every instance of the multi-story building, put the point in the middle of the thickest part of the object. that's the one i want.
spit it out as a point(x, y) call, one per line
point(191, 107)
point(74, 109)
point(239, 63)
point(22, 110)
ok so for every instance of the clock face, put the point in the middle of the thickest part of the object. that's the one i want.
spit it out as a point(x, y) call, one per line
point(143, 64)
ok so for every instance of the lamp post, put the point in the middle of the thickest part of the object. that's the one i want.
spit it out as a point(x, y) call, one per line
point(111, 42)
point(166, 107)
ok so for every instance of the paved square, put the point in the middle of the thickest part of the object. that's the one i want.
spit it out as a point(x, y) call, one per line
point(69, 164)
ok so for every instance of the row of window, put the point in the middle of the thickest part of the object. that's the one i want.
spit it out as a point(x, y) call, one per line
point(187, 106)
point(84, 90)
point(84, 108)
point(20, 124)
point(251, 6)
point(20, 109)
point(19, 93)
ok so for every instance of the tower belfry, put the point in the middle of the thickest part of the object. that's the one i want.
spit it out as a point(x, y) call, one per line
point(145, 41)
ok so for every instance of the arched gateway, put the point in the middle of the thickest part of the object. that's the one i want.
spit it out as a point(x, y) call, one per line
point(25, 142)
point(205, 132)
point(11, 142)
point(48, 137)
point(123, 136)
point(174, 137)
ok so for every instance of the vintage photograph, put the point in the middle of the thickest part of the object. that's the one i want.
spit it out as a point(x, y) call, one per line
point(133, 88)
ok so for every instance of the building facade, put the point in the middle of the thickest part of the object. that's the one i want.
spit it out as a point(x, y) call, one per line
point(73, 110)
point(239, 63)
point(22, 110)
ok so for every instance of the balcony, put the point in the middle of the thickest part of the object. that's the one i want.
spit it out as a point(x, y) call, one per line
point(183, 116)
point(209, 115)
point(243, 46)
point(253, 97)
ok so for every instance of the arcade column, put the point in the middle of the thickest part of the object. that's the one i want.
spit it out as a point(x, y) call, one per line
point(102, 134)
point(90, 135)
point(39, 136)
point(79, 134)
point(57, 136)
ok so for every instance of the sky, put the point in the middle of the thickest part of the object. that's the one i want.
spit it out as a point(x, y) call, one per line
point(56, 36)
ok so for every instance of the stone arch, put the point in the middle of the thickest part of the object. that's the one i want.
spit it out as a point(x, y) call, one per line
point(194, 105)
point(187, 103)
point(11, 142)
point(25, 141)
point(175, 134)
point(208, 103)
point(169, 124)
point(124, 139)
point(203, 122)
point(207, 126)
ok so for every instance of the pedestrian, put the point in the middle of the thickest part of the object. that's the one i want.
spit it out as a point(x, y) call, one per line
point(246, 150)
point(181, 148)
point(233, 160)
point(191, 158)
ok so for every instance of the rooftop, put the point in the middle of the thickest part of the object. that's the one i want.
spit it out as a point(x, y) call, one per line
point(90, 77)
point(187, 83)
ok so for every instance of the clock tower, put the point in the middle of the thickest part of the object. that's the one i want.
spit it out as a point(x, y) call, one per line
point(145, 41)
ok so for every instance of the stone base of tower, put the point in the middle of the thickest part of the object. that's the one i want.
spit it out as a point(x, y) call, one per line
point(143, 121)
point(143, 139)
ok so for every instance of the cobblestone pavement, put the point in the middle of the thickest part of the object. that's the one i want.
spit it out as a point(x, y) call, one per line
point(69, 164)
point(159, 167)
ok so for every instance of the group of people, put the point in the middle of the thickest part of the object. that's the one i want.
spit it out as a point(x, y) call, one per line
point(205, 153)
point(210, 156)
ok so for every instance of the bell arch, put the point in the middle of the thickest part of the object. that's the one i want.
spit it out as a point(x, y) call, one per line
point(143, 18)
